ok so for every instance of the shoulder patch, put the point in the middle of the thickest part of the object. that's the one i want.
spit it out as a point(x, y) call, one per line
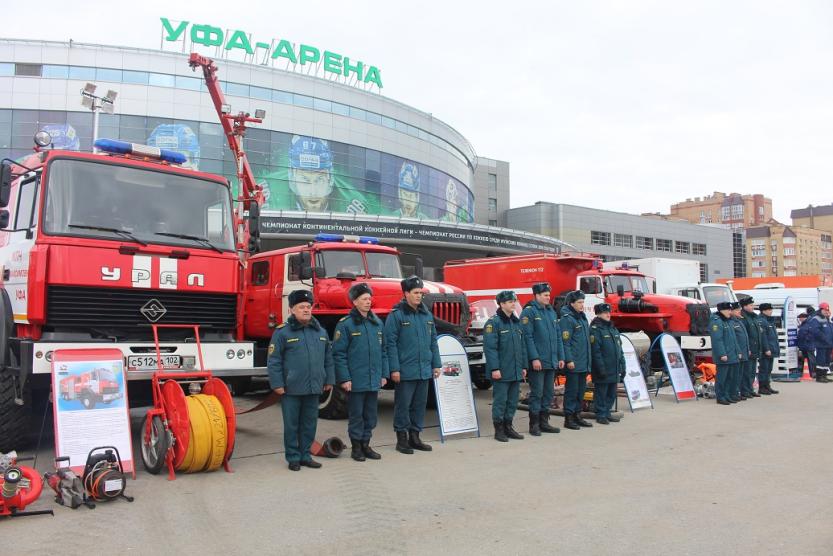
point(337, 334)
point(489, 328)
point(271, 349)
point(592, 339)
point(715, 327)
point(525, 320)
point(566, 335)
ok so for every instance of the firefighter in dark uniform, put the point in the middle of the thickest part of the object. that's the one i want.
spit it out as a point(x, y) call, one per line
point(361, 364)
point(770, 349)
point(545, 350)
point(575, 333)
point(742, 340)
point(506, 359)
point(820, 333)
point(806, 351)
point(300, 367)
point(724, 350)
point(608, 363)
point(413, 359)
point(754, 330)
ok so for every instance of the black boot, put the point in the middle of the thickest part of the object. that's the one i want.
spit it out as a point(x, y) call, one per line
point(356, 450)
point(500, 434)
point(763, 389)
point(402, 443)
point(417, 444)
point(534, 425)
point(770, 389)
point(369, 452)
point(511, 432)
point(544, 421)
point(581, 422)
point(613, 418)
point(570, 423)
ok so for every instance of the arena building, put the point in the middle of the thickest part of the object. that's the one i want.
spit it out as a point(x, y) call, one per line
point(333, 156)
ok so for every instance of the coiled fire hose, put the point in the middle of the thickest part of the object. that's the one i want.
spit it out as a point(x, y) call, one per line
point(209, 434)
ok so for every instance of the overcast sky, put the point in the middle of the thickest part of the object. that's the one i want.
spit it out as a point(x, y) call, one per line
point(624, 105)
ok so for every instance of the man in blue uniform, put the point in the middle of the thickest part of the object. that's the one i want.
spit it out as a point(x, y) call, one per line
point(754, 331)
point(806, 351)
point(820, 333)
point(608, 363)
point(575, 334)
point(770, 349)
point(413, 358)
point(361, 364)
point(725, 350)
point(545, 350)
point(506, 360)
point(300, 367)
point(742, 339)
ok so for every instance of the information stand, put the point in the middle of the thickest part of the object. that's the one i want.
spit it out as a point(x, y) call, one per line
point(676, 368)
point(635, 388)
point(89, 396)
point(455, 399)
point(789, 320)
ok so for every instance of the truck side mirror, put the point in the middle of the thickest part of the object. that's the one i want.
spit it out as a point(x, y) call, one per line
point(620, 290)
point(4, 219)
point(5, 184)
point(254, 219)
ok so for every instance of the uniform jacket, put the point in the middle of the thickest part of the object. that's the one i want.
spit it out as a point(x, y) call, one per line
point(770, 338)
point(608, 357)
point(359, 352)
point(300, 358)
point(820, 331)
point(724, 340)
point(505, 346)
point(411, 342)
point(543, 334)
point(804, 341)
point(575, 333)
point(755, 331)
point(741, 338)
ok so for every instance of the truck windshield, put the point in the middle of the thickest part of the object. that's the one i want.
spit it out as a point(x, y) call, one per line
point(630, 283)
point(106, 374)
point(383, 265)
point(716, 294)
point(91, 199)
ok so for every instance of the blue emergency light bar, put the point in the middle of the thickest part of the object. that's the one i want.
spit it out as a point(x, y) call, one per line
point(338, 238)
point(123, 147)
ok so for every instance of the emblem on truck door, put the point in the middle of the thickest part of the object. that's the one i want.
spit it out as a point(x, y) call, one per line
point(153, 310)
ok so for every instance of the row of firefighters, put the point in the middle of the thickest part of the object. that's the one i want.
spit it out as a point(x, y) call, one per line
point(366, 353)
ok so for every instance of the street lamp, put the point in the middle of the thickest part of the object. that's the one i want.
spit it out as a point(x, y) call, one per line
point(97, 104)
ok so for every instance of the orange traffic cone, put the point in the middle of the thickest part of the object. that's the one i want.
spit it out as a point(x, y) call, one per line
point(806, 376)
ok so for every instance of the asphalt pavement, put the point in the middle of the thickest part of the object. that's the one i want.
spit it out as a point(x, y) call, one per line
point(682, 478)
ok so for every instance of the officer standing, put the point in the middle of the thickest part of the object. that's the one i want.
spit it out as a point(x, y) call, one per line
point(413, 358)
point(742, 340)
point(770, 349)
point(608, 363)
point(361, 364)
point(725, 351)
point(506, 360)
point(575, 333)
point(545, 350)
point(300, 367)
point(754, 331)
point(820, 334)
point(805, 349)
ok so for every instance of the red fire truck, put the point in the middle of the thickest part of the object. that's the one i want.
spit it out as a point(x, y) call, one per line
point(97, 386)
point(95, 248)
point(634, 307)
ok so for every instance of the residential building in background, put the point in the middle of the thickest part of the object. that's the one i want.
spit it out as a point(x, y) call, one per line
point(491, 189)
point(733, 209)
point(819, 218)
point(779, 250)
point(616, 235)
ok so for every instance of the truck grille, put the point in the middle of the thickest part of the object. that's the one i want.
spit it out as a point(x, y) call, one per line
point(106, 308)
point(451, 312)
point(700, 315)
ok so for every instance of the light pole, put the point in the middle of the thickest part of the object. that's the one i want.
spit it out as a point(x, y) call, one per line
point(97, 104)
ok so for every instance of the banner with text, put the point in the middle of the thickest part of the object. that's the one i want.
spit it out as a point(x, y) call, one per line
point(455, 399)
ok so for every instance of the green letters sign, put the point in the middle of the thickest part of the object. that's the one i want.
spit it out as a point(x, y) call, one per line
point(302, 54)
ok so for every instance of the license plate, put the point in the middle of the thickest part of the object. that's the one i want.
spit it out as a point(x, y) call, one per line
point(149, 362)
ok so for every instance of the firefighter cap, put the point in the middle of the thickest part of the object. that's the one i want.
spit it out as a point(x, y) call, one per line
point(300, 296)
point(540, 288)
point(746, 301)
point(600, 308)
point(358, 290)
point(765, 307)
point(506, 295)
point(724, 306)
point(412, 283)
point(736, 305)
point(574, 296)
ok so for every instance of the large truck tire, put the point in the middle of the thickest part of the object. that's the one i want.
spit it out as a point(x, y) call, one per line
point(88, 400)
point(15, 420)
point(333, 404)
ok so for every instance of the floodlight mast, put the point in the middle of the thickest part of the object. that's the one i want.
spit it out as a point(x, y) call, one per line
point(97, 104)
point(234, 127)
